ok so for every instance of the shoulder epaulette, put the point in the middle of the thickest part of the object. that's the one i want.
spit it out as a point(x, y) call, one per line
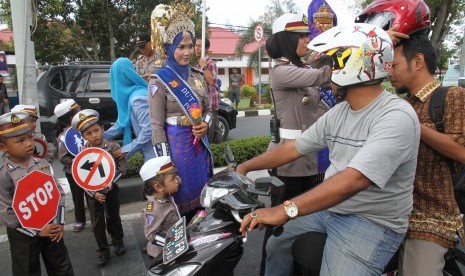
point(149, 207)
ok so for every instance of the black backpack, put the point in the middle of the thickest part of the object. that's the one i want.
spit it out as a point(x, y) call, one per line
point(436, 114)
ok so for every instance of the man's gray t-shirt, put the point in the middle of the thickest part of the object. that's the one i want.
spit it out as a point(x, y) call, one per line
point(235, 81)
point(380, 141)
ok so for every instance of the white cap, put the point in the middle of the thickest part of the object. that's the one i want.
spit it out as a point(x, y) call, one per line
point(84, 119)
point(290, 22)
point(156, 166)
point(64, 107)
point(28, 108)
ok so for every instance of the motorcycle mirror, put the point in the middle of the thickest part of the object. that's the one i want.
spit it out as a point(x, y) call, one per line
point(228, 155)
point(266, 186)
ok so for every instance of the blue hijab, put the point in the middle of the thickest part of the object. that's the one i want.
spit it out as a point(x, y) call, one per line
point(183, 71)
point(125, 83)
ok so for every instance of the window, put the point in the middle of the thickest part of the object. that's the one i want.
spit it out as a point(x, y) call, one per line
point(99, 81)
point(221, 71)
point(265, 71)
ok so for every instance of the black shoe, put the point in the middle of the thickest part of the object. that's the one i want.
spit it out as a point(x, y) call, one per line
point(120, 249)
point(102, 260)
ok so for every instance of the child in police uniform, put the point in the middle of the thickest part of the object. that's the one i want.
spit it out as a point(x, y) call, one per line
point(26, 245)
point(104, 205)
point(65, 111)
point(33, 117)
point(160, 181)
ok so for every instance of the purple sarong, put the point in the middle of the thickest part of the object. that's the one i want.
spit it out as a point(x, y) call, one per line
point(194, 166)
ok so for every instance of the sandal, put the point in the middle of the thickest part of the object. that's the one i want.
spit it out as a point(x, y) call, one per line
point(79, 226)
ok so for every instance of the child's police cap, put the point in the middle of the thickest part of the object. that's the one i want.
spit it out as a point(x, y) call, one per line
point(29, 109)
point(84, 119)
point(64, 107)
point(13, 124)
point(157, 166)
point(290, 22)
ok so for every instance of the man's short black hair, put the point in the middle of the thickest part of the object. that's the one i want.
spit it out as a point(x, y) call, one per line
point(207, 42)
point(420, 44)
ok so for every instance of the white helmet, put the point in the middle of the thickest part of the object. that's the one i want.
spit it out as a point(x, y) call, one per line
point(362, 53)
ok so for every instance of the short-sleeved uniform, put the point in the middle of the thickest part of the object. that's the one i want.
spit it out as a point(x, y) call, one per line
point(112, 221)
point(159, 216)
point(25, 245)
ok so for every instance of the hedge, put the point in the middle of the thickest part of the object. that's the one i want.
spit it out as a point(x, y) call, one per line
point(243, 149)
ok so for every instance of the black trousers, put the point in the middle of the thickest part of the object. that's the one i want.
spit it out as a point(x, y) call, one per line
point(293, 186)
point(25, 253)
point(106, 217)
point(78, 199)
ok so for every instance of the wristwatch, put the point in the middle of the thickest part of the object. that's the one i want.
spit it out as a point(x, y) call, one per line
point(290, 209)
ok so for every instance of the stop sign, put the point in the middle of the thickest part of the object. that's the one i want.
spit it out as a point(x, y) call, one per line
point(36, 200)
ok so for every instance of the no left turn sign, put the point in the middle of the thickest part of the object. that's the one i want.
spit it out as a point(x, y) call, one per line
point(93, 169)
point(40, 148)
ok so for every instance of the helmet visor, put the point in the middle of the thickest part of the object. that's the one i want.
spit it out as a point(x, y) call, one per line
point(340, 57)
point(380, 19)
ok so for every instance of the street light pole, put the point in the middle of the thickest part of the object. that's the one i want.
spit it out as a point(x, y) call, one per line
point(21, 13)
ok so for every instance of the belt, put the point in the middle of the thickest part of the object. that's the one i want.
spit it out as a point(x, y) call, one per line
point(178, 120)
point(289, 133)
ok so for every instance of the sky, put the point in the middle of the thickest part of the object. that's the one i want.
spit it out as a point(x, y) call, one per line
point(240, 12)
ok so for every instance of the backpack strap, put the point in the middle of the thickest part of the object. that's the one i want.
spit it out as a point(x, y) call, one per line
point(436, 107)
point(436, 114)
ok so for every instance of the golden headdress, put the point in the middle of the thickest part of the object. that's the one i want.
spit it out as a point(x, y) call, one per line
point(168, 21)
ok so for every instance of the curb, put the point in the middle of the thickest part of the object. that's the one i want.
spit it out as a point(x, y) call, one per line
point(253, 113)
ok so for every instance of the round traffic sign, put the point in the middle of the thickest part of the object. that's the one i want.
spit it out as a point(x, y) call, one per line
point(259, 33)
point(74, 142)
point(36, 200)
point(40, 148)
point(93, 169)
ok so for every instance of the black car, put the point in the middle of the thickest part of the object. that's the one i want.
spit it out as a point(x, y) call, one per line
point(89, 85)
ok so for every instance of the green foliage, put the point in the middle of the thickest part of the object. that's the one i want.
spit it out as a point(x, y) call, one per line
point(267, 94)
point(135, 163)
point(243, 149)
point(250, 92)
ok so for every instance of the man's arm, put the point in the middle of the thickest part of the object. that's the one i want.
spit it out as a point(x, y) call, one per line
point(276, 157)
point(443, 144)
point(331, 192)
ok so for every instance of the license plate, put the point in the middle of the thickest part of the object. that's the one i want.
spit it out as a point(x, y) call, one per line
point(175, 241)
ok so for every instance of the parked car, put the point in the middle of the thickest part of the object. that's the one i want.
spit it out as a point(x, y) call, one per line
point(88, 83)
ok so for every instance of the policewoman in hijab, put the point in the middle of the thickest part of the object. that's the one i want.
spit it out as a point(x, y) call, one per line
point(129, 91)
point(180, 112)
point(297, 101)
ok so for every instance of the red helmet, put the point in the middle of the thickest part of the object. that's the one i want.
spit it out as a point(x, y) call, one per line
point(406, 16)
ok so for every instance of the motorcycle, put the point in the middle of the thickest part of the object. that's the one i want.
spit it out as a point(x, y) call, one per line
point(212, 244)
point(308, 262)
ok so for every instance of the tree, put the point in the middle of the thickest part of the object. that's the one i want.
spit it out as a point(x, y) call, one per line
point(93, 30)
point(273, 11)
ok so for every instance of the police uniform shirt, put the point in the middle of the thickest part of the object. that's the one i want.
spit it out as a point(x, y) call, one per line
point(298, 105)
point(159, 216)
point(10, 174)
point(63, 155)
point(162, 104)
point(146, 67)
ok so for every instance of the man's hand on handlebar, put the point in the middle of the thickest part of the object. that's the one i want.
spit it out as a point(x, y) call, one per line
point(261, 217)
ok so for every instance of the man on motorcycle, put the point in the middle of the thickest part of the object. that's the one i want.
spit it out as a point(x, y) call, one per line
point(366, 197)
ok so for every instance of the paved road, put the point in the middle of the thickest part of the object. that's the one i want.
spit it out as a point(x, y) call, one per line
point(81, 247)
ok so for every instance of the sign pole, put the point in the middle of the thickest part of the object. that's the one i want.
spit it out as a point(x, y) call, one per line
point(259, 74)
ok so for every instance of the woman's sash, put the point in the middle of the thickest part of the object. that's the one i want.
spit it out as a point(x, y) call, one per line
point(182, 93)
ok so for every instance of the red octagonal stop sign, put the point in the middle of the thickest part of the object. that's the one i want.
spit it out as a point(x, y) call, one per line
point(36, 200)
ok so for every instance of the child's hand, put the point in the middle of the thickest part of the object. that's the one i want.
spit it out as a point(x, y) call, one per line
point(118, 154)
point(99, 197)
point(56, 232)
